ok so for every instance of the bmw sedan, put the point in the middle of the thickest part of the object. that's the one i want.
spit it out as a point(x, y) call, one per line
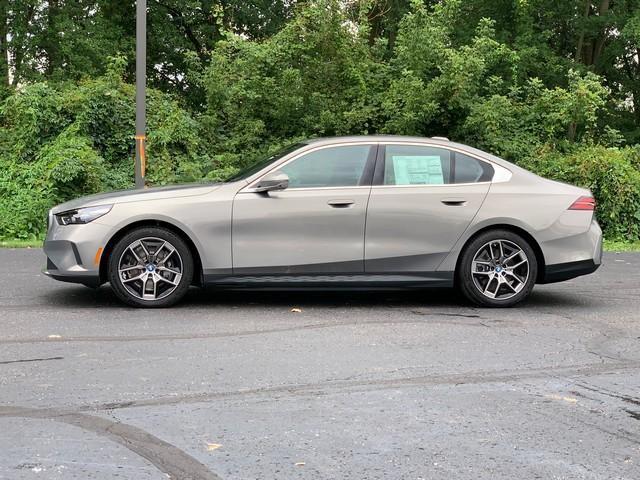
point(353, 212)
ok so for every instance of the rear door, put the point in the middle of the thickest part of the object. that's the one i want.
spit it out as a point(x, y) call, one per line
point(422, 200)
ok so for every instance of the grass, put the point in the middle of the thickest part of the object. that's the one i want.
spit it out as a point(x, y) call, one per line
point(609, 245)
point(621, 246)
point(17, 243)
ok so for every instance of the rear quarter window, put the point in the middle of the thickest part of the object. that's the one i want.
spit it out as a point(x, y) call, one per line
point(471, 170)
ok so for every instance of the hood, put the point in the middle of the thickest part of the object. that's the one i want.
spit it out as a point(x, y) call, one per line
point(137, 195)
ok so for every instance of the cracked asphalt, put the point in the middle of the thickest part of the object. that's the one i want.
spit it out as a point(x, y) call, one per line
point(236, 385)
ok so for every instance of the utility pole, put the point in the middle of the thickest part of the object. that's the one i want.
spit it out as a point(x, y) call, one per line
point(141, 87)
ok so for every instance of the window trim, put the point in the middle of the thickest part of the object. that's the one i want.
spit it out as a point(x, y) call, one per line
point(367, 173)
point(500, 173)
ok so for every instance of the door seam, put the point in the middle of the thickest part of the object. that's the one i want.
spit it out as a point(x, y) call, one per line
point(366, 210)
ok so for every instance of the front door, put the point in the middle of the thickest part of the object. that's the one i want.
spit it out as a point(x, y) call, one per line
point(316, 225)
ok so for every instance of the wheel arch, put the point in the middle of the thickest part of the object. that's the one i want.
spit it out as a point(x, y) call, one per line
point(512, 228)
point(108, 248)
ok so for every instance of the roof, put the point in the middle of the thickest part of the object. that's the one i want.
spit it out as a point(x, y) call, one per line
point(375, 138)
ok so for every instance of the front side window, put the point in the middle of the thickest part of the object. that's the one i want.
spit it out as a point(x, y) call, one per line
point(328, 167)
point(423, 165)
point(259, 165)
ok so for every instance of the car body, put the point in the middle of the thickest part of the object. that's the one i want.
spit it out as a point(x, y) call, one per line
point(362, 211)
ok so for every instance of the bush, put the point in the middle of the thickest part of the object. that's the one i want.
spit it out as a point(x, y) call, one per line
point(72, 140)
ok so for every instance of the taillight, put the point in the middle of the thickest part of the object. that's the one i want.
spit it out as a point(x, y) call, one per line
point(584, 203)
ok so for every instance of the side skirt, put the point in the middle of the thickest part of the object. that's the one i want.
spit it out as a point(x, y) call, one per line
point(357, 281)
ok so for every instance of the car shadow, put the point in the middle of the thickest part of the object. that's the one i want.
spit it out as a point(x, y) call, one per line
point(103, 297)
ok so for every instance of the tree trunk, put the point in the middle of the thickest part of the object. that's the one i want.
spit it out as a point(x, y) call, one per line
point(599, 43)
point(587, 8)
point(52, 47)
point(4, 51)
point(19, 42)
point(571, 131)
point(636, 91)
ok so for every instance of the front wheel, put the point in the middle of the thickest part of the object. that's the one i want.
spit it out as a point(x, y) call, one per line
point(497, 269)
point(150, 267)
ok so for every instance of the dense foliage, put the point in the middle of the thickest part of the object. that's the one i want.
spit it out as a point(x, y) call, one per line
point(553, 86)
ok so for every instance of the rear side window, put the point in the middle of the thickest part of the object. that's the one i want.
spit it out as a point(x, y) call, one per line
point(411, 165)
point(417, 165)
point(328, 167)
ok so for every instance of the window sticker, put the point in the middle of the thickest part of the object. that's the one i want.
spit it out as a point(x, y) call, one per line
point(418, 170)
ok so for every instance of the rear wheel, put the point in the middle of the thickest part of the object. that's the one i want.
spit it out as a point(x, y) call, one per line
point(150, 267)
point(497, 269)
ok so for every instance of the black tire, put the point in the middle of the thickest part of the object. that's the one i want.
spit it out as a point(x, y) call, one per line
point(471, 285)
point(184, 259)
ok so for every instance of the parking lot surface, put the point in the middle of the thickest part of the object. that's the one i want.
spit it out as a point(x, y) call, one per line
point(241, 385)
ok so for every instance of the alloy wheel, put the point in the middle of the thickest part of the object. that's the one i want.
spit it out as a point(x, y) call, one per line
point(150, 268)
point(500, 269)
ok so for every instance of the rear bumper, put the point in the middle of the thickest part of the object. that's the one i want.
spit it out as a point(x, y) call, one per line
point(567, 271)
point(572, 256)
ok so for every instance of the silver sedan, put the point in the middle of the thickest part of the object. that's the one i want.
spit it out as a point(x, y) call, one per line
point(352, 212)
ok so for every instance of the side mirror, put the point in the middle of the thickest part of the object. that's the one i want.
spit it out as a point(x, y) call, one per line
point(273, 181)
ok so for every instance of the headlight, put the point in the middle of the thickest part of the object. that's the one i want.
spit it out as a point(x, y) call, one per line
point(82, 215)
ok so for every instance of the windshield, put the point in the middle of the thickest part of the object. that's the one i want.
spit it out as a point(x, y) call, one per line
point(260, 164)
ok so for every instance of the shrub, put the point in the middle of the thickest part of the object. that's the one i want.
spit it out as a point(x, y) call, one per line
point(72, 140)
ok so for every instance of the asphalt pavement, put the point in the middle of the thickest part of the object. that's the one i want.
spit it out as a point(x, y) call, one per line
point(240, 385)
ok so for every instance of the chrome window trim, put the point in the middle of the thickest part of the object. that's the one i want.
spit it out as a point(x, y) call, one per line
point(298, 189)
point(500, 174)
point(422, 185)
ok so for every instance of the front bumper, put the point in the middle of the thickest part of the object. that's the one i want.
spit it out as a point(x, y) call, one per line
point(90, 280)
point(73, 252)
point(66, 254)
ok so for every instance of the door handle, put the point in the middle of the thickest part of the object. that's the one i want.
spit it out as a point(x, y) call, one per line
point(454, 202)
point(340, 203)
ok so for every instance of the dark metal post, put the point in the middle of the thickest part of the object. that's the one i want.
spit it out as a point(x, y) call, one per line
point(141, 81)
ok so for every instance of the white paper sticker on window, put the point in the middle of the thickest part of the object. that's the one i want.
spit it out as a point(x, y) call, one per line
point(418, 170)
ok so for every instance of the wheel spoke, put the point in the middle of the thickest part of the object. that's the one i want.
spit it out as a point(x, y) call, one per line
point(131, 249)
point(517, 265)
point(167, 269)
point(150, 281)
point(482, 273)
point(485, 270)
point(168, 247)
point(128, 269)
point(146, 252)
point(175, 281)
point(131, 279)
point(513, 275)
point(488, 292)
